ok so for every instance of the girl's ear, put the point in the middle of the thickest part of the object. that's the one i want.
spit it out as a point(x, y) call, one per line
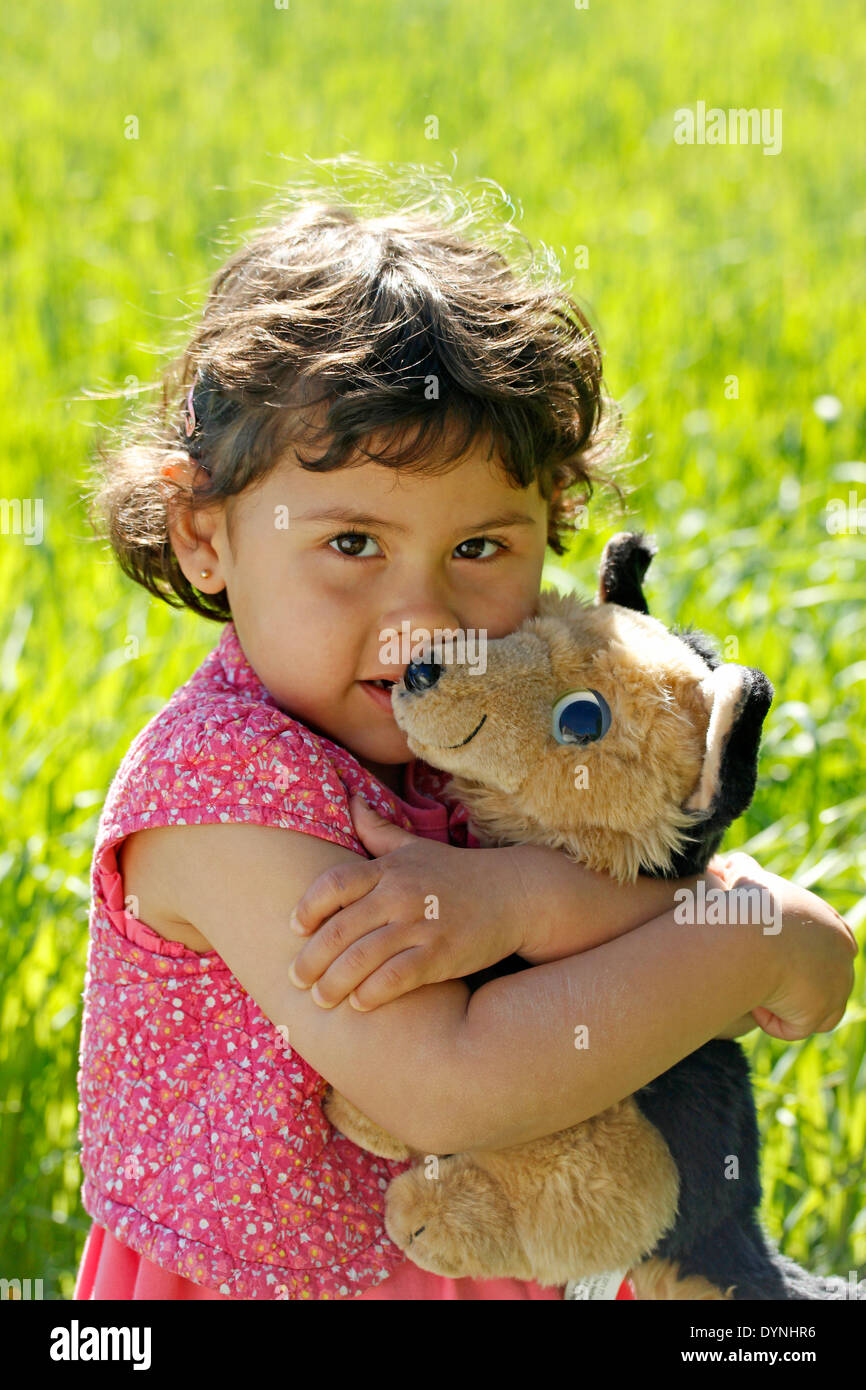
point(191, 533)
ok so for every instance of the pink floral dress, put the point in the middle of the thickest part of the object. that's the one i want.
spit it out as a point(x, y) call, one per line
point(210, 1169)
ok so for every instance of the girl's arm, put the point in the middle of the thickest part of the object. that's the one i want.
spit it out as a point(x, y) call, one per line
point(437, 1069)
point(582, 908)
point(368, 941)
point(561, 906)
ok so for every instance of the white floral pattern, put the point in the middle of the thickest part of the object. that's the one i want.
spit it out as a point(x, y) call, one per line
point(204, 1145)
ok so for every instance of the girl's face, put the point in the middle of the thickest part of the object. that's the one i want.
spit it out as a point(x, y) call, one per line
point(312, 603)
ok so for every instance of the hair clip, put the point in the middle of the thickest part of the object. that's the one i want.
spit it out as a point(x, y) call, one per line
point(190, 423)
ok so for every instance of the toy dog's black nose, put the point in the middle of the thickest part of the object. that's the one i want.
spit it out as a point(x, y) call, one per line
point(421, 675)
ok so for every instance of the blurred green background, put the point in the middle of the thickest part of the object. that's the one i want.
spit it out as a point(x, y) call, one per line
point(702, 264)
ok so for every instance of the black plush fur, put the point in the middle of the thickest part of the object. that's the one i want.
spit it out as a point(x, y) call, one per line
point(703, 1107)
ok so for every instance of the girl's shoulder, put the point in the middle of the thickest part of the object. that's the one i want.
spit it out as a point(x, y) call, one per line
point(217, 715)
point(221, 749)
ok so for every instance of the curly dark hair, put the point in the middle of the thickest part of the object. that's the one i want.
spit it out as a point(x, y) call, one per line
point(391, 319)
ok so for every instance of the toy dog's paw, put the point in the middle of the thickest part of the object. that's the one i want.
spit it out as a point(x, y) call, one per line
point(453, 1219)
point(349, 1120)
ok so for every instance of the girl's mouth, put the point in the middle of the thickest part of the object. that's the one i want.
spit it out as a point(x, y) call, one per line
point(379, 690)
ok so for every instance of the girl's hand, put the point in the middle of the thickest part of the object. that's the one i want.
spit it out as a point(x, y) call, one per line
point(816, 950)
point(420, 913)
point(745, 1024)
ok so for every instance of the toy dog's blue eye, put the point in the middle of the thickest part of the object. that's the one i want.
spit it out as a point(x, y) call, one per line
point(581, 716)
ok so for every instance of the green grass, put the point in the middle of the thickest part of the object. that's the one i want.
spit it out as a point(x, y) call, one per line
point(704, 263)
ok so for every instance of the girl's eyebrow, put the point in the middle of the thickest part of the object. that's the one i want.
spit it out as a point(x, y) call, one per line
point(502, 520)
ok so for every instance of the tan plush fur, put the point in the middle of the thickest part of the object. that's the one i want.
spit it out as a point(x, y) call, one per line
point(598, 1196)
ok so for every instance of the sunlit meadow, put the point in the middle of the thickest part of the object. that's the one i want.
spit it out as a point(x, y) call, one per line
point(726, 284)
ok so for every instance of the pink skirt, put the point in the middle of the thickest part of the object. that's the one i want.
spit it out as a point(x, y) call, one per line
point(110, 1270)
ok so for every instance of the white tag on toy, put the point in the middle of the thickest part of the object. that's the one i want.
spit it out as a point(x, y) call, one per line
point(597, 1286)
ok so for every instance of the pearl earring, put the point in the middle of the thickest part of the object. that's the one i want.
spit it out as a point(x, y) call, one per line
point(205, 574)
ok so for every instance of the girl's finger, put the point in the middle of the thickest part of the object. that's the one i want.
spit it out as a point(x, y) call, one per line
point(374, 955)
point(740, 862)
point(777, 1027)
point(337, 887)
point(350, 929)
point(719, 864)
point(399, 975)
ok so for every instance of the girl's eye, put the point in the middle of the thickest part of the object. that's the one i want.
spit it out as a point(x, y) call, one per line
point(353, 537)
point(352, 543)
point(476, 541)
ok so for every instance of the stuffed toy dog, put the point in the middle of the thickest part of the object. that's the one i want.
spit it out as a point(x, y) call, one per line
point(668, 735)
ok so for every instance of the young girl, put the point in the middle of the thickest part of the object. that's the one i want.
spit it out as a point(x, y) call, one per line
point(453, 401)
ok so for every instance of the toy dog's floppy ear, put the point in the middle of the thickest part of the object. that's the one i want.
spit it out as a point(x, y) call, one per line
point(624, 562)
point(739, 698)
